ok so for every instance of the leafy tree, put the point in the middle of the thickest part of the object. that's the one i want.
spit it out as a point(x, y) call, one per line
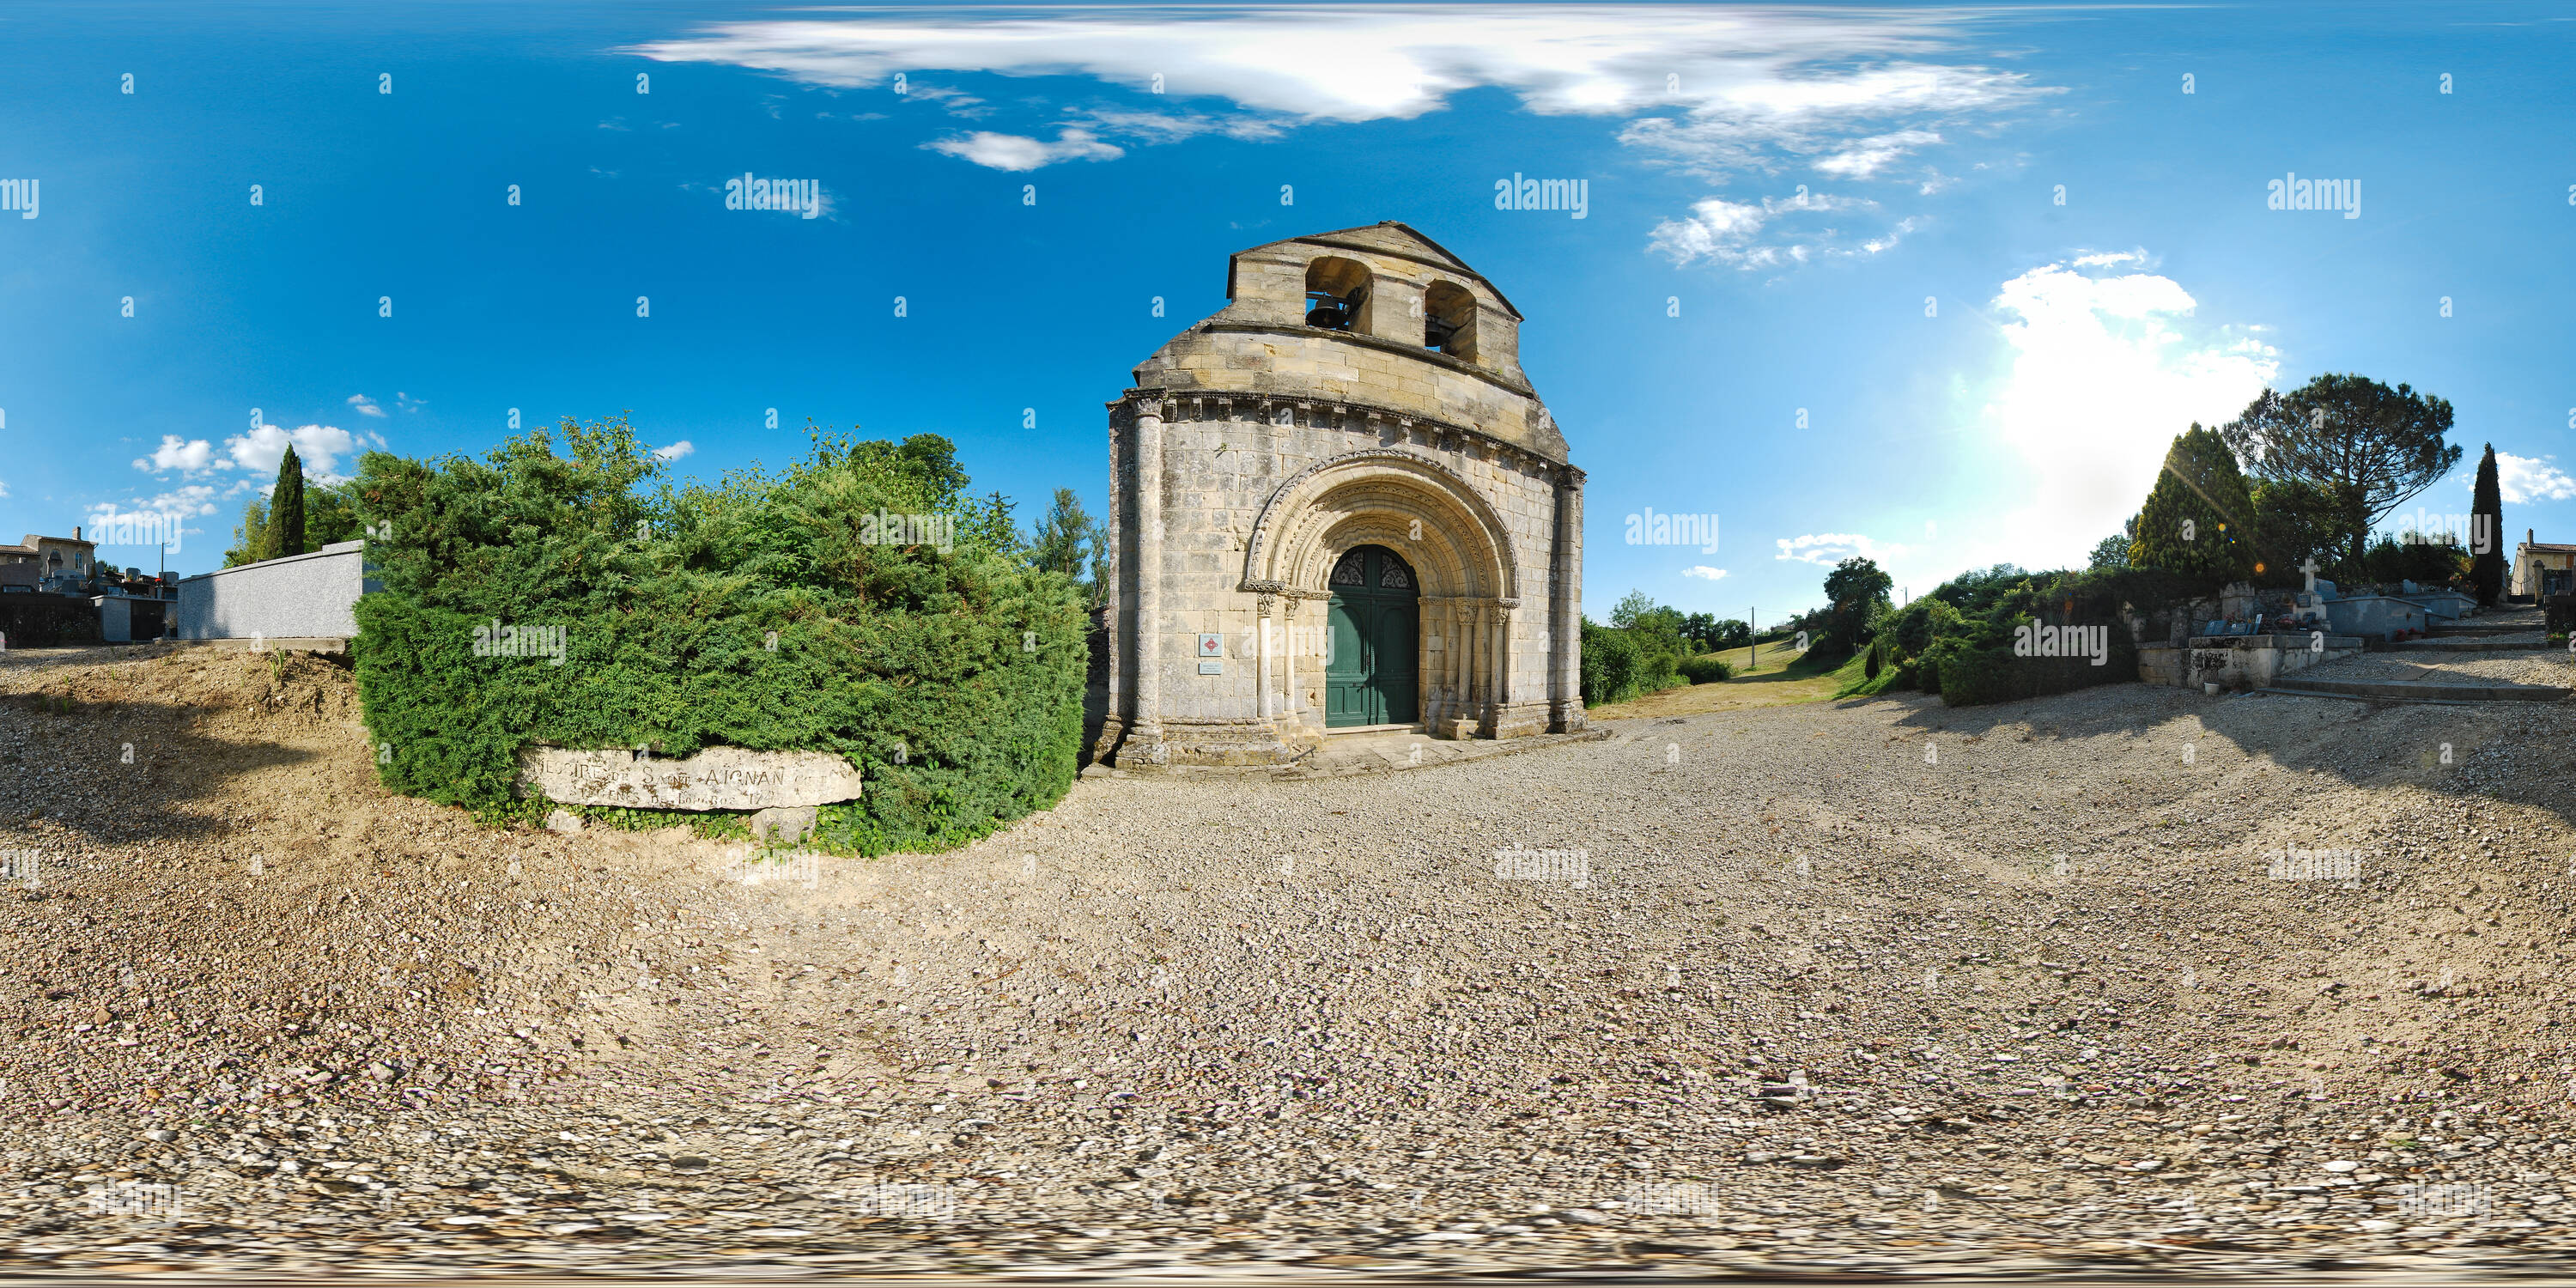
point(2425, 558)
point(2296, 521)
point(248, 533)
point(2369, 446)
point(1632, 609)
point(284, 533)
point(2110, 552)
point(1653, 636)
point(1067, 542)
point(1700, 629)
point(331, 514)
point(1855, 588)
point(2486, 516)
point(1708, 632)
point(2195, 520)
point(1857, 582)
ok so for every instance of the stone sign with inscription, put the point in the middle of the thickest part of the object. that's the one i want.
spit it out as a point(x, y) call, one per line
point(716, 778)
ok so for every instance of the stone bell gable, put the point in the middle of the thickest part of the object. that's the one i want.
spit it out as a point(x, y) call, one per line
point(1337, 503)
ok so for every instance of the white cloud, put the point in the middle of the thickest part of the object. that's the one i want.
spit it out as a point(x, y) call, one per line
point(1862, 159)
point(1705, 571)
point(185, 502)
point(366, 406)
point(4, 487)
point(407, 402)
point(1829, 548)
point(675, 451)
point(2524, 479)
point(1019, 152)
point(1172, 127)
point(1738, 88)
point(320, 447)
point(158, 521)
point(1731, 232)
point(2104, 371)
point(175, 453)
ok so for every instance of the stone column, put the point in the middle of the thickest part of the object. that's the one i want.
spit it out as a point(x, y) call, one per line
point(1459, 677)
point(1261, 667)
point(1502, 691)
point(1443, 615)
point(1479, 684)
point(1146, 732)
point(1113, 723)
point(1288, 664)
point(1565, 628)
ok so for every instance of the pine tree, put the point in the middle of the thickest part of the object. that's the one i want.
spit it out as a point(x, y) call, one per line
point(284, 534)
point(2195, 523)
point(2486, 521)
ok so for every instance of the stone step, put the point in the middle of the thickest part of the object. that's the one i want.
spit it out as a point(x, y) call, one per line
point(2490, 629)
point(2439, 644)
point(2417, 690)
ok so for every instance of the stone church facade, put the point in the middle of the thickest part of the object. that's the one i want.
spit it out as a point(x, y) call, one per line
point(1337, 504)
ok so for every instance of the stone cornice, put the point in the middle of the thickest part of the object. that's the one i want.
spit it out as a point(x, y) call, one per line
point(1528, 462)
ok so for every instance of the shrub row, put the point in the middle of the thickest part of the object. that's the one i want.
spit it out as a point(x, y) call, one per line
point(765, 612)
point(1958, 641)
point(1620, 664)
point(1705, 669)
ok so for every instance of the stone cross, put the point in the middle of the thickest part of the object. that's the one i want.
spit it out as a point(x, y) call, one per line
point(2310, 568)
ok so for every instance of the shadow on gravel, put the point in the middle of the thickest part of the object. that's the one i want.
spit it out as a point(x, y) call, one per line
point(120, 772)
point(2467, 749)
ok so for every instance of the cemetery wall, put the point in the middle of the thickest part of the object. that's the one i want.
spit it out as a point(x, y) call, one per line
point(299, 596)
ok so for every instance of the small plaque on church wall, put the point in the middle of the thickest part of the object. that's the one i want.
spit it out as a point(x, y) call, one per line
point(1211, 668)
point(1211, 644)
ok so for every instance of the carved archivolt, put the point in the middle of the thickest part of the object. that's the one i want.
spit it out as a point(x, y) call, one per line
point(1407, 503)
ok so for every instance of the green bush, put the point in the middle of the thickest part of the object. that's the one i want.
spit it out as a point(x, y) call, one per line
point(1706, 670)
point(2438, 562)
point(1610, 665)
point(763, 613)
point(1958, 641)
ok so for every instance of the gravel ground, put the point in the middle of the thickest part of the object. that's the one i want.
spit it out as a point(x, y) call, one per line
point(2538, 666)
point(1872, 986)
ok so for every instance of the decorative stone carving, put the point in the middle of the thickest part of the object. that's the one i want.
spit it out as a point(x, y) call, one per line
point(729, 778)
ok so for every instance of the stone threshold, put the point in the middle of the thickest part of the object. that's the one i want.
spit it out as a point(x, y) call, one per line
point(1345, 759)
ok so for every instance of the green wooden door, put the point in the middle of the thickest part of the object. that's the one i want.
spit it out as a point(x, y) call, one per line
point(1375, 625)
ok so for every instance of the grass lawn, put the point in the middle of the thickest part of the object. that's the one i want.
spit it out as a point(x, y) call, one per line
point(1784, 676)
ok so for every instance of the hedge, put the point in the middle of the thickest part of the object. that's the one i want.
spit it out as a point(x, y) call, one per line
point(1610, 665)
point(764, 613)
point(1705, 669)
point(1957, 642)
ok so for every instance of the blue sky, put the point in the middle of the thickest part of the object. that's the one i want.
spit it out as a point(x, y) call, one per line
point(1774, 195)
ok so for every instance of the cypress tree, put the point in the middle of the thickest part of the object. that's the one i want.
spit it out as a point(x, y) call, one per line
point(2486, 519)
point(285, 532)
point(2196, 523)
